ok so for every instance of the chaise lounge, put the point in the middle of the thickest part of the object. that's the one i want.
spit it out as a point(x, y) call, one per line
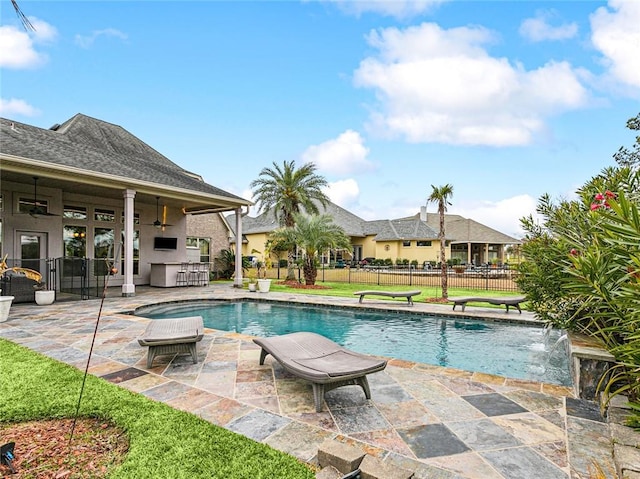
point(391, 294)
point(506, 300)
point(172, 336)
point(325, 364)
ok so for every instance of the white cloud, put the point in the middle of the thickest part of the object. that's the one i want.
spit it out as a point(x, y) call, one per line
point(539, 29)
point(395, 8)
point(13, 107)
point(87, 41)
point(436, 85)
point(18, 47)
point(616, 35)
point(503, 215)
point(340, 156)
point(344, 192)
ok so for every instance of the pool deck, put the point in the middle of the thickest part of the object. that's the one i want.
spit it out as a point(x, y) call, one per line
point(438, 422)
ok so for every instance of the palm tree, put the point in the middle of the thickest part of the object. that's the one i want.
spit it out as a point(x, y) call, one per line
point(286, 190)
point(312, 234)
point(441, 196)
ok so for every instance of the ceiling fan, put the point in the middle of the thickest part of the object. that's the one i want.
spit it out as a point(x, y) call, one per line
point(157, 223)
point(37, 209)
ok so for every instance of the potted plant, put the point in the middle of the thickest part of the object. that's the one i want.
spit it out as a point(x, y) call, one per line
point(5, 301)
point(44, 296)
point(5, 306)
point(252, 276)
point(264, 284)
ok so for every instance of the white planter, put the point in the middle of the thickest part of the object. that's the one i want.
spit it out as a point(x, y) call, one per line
point(5, 306)
point(45, 297)
point(264, 285)
point(252, 287)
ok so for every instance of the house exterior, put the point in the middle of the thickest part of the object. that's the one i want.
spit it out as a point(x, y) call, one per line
point(472, 242)
point(414, 238)
point(87, 188)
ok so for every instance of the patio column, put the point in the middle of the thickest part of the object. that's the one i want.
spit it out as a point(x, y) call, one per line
point(128, 288)
point(468, 253)
point(237, 283)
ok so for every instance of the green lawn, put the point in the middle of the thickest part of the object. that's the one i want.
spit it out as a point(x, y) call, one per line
point(164, 442)
point(347, 290)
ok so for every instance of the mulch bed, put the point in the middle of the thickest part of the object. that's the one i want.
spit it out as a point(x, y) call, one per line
point(42, 448)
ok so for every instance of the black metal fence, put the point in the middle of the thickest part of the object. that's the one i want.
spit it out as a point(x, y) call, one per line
point(482, 277)
point(77, 278)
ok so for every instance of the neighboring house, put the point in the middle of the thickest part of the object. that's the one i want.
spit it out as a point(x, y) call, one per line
point(472, 242)
point(90, 189)
point(412, 238)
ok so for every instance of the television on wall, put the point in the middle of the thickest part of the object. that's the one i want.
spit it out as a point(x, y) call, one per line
point(162, 243)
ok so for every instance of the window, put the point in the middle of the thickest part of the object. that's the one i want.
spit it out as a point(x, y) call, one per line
point(104, 215)
point(423, 243)
point(103, 250)
point(75, 241)
point(136, 253)
point(406, 244)
point(32, 206)
point(136, 218)
point(204, 245)
point(75, 212)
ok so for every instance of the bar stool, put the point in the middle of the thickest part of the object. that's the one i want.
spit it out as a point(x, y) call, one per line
point(181, 278)
point(203, 274)
point(192, 274)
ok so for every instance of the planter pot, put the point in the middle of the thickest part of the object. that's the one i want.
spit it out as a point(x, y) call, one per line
point(252, 287)
point(5, 305)
point(264, 285)
point(44, 298)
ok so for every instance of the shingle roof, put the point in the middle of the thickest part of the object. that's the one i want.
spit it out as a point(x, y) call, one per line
point(465, 230)
point(266, 222)
point(401, 229)
point(100, 147)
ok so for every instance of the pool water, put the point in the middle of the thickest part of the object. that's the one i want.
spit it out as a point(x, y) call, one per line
point(501, 348)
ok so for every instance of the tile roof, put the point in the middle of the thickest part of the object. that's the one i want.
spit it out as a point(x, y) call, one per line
point(100, 147)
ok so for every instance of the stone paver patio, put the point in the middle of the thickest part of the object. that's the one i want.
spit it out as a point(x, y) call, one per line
point(439, 422)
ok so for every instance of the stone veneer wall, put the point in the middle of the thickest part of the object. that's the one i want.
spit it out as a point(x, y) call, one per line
point(589, 361)
point(209, 226)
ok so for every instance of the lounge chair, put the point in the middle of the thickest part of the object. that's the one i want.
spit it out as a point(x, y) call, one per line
point(506, 300)
point(391, 294)
point(325, 364)
point(171, 336)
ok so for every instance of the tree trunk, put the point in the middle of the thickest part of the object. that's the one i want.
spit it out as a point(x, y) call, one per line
point(443, 263)
point(290, 263)
point(310, 272)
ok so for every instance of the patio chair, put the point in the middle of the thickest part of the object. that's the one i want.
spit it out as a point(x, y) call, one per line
point(172, 336)
point(325, 364)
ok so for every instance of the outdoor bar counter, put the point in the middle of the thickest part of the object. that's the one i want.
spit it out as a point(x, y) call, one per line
point(164, 275)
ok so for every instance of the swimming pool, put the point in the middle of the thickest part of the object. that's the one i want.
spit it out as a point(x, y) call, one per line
point(493, 347)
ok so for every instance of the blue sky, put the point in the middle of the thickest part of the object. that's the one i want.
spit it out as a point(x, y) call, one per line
point(505, 100)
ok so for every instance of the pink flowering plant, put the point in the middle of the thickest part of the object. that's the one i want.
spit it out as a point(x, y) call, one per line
point(582, 271)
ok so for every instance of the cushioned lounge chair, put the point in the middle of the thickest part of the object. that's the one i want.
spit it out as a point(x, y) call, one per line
point(325, 364)
point(172, 336)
